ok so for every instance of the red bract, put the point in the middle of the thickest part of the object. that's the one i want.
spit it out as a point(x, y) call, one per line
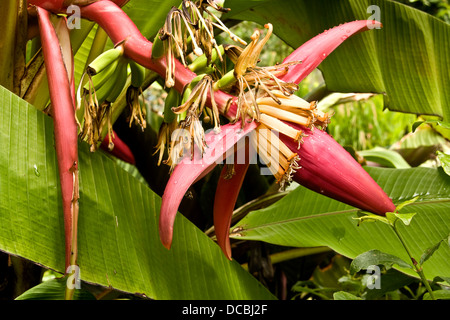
point(66, 142)
point(120, 150)
point(314, 51)
point(225, 199)
point(190, 170)
point(327, 168)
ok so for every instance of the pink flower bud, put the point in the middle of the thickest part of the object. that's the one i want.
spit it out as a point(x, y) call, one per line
point(327, 168)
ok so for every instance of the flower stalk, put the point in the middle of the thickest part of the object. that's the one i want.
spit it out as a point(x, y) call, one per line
point(66, 143)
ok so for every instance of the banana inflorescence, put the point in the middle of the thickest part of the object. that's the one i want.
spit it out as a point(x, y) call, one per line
point(101, 85)
point(134, 91)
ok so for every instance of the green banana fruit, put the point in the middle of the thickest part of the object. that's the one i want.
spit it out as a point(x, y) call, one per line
point(226, 81)
point(103, 92)
point(200, 65)
point(104, 60)
point(137, 74)
point(157, 48)
point(112, 82)
point(173, 99)
point(99, 79)
point(118, 85)
point(194, 83)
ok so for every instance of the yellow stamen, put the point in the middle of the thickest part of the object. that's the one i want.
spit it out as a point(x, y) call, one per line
point(285, 115)
point(137, 112)
point(281, 161)
point(264, 150)
point(292, 101)
point(270, 136)
point(280, 126)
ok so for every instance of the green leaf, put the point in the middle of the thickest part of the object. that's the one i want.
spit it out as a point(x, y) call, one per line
point(407, 59)
point(444, 159)
point(342, 295)
point(438, 294)
point(442, 127)
point(403, 217)
point(425, 136)
point(391, 217)
point(441, 279)
point(53, 290)
point(421, 145)
point(416, 124)
point(304, 218)
point(430, 251)
point(149, 24)
point(376, 258)
point(364, 216)
point(118, 241)
point(385, 157)
point(406, 203)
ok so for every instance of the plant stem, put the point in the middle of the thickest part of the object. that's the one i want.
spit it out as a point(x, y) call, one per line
point(66, 138)
point(296, 253)
point(20, 48)
point(316, 293)
point(227, 80)
point(292, 254)
point(425, 282)
point(414, 262)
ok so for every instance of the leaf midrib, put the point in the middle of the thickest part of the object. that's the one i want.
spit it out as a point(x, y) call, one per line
point(324, 214)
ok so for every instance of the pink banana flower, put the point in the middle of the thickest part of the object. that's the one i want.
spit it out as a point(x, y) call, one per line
point(120, 150)
point(321, 165)
point(293, 155)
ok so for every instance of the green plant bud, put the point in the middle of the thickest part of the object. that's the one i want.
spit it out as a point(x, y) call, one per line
point(173, 99)
point(201, 65)
point(121, 74)
point(227, 80)
point(157, 48)
point(137, 74)
point(99, 79)
point(104, 60)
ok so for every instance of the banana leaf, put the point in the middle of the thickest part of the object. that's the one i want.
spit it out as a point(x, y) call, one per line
point(118, 224)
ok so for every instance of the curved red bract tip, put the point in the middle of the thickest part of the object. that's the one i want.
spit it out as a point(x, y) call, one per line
point(225, 199)
point(188, 171)
point(327, 168)
point(120, 150)
point(314, 51)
